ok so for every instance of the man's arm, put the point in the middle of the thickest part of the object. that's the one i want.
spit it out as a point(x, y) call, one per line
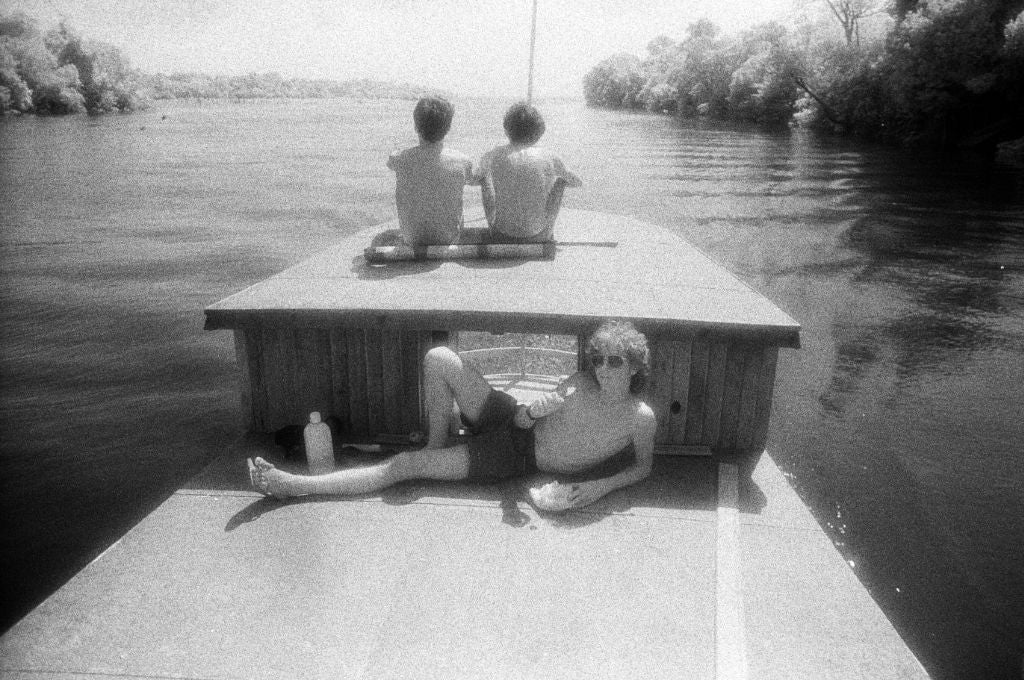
point(482, 176)
point(567, 176)
point(474, 173)
point(528, 414)
point(487, 198)
point(585, 493)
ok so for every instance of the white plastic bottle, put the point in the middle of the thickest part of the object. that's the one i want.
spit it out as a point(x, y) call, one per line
point(319, 449)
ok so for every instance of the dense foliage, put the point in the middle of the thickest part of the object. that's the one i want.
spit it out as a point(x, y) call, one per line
point(940, 71)
point(58, 72)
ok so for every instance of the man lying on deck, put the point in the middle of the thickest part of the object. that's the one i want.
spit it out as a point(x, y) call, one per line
point(594, 432)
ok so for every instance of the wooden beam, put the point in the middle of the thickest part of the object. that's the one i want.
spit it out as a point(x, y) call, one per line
point(478, 251)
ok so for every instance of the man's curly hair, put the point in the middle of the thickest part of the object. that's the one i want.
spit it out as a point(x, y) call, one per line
point(634, 346)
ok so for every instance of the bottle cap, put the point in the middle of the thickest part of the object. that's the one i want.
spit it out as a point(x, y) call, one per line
point(314, 417)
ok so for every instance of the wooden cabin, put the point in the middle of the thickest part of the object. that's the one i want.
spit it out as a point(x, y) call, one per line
point(344, 334)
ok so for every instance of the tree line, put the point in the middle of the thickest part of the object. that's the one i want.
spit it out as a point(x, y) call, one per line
point(928, 71)
point(57, 72)
point(271, 85)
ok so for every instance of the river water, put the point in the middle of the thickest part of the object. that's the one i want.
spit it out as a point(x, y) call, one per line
point(899, 421)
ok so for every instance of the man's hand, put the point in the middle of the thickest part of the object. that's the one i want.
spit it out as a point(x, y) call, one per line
point(559, 497)
point(585, 493)
point(547, 404)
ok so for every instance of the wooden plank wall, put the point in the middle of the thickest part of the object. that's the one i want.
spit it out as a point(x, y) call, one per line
point(367, 378)
point(714, 393)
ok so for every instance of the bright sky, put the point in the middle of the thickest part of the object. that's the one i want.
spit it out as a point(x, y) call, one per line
point(470, 47)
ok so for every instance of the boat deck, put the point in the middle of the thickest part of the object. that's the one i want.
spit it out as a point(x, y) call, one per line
point(711, 568)
point(686, 575)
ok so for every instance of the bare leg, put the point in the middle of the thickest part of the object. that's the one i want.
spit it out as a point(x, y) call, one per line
point(446, 379)
point(449, 463)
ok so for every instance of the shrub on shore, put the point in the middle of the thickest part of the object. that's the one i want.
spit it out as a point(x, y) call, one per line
point(57, 72)
point(944, 73)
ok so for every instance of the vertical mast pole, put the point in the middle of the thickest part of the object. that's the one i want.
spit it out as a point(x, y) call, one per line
point(533, 42)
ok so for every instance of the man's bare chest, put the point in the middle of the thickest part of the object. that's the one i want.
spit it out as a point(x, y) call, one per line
point(590, 421)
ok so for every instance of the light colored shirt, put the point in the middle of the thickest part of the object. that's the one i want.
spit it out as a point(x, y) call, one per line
point(523, 178)
point(428, 192)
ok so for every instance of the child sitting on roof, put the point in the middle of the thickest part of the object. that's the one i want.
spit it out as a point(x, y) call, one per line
point(521, 183)
point(430, 179)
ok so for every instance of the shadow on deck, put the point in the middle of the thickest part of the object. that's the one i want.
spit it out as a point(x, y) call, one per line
point(679, 485)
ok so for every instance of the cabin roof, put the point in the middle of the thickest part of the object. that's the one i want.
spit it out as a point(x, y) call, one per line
point(605, 266)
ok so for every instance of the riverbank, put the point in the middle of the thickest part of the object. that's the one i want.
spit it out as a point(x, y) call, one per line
point(914, 74)
point(57, 72)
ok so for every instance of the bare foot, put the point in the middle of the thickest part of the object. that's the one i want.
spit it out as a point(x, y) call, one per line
point(267, 479)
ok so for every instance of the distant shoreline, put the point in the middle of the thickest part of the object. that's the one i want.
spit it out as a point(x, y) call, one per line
point(272, 86)
point(269, 86)
point(58, 72)
point(453, 96)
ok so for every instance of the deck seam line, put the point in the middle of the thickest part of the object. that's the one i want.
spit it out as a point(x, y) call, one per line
point(730, 638)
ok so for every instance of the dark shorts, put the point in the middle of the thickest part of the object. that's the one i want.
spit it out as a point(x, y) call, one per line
point(497, 448)
point(613, 465)
point(500, 450)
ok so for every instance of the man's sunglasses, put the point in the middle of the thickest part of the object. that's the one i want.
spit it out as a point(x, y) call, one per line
point(614, 361)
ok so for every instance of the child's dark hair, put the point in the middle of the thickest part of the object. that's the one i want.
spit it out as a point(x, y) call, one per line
point(523, 124)
point(433, 117)
point(634, 346)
